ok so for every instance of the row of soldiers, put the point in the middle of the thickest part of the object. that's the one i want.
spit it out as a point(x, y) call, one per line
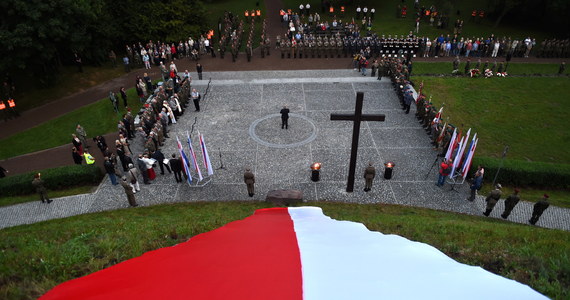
point(158, 109)
point(554, 48)
point(265, 43)
point(236, 40)
point(313, 47)
point(226, 33)
point(397, 69)
point(337, 46)
point(249, 43)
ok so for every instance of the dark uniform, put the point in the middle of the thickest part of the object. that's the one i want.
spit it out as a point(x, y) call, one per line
point(38, 184)
point(510, 203)
point(249, 180)
point(369, 174)
point(539, 208)
point(284, 118)
point(455, 64)
point(492, 199)
point(467, 66)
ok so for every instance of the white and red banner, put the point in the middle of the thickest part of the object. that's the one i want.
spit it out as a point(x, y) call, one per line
point(205, 156)
point(184, 161)
point(470, 154)
point(451, 144)
point(193, 158)
point(289, 254)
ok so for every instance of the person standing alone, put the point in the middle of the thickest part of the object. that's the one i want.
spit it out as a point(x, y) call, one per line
point(249, 180)
point(444, 170)
point(369, 174)
point(284, 117)
point(492, 199)
point(129, 192)
point(477, 183)
point(510, 203)
point(38, 183)
point(538, 209)
point(196, 99)
point(199, 70)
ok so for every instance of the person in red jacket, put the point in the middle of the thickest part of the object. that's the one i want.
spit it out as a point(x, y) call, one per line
point(444, 170)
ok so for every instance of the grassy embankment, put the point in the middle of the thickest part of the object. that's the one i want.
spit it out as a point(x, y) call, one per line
point(37, 257)
point(527, 114)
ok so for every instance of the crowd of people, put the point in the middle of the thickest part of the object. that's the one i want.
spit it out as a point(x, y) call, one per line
point(441, 135)
point(148, 128)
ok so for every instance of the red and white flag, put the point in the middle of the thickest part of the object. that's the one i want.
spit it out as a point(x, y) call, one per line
point(470, 154)
point(292, 254)
point(193, 158)
point(460, 151)
point(205, 155)
point(184, 161)
point(451, 144)
point(437, 117)
point(442, 133)
point(419, 94)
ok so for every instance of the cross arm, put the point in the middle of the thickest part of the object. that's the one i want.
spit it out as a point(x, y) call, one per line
point(351, 117)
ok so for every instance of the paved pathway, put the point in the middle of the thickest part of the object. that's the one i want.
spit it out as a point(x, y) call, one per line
point(239, 121)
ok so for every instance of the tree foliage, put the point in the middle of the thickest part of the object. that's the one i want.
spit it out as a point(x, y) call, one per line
point(551, 15)
point(39, 35)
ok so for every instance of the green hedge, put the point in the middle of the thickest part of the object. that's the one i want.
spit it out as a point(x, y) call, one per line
point(525, 173)
point(54, 179)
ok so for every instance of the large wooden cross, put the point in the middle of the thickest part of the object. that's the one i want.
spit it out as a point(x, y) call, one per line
point(357, 117)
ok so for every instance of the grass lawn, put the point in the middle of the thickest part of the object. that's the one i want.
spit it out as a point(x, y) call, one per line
point(97, 118)
point(387, 23)
point(420, 67)
point(559, 198)
point(5, 201)
point(69, 82)
point(528, 114)
point(37, 257)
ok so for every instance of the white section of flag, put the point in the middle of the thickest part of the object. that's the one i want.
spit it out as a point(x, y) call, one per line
point(205, 155)
point(344, 260)
point(451, 142)
point(469, 159)
point(193, 158)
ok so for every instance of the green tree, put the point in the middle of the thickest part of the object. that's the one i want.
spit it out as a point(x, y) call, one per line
point(38, 36)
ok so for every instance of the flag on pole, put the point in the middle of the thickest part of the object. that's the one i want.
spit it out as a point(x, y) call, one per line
point(205, 155)
point(469, 158)
point(463, 148)
point(460, 151)
point(437, 117)
point(451, 143)
point(193, 158)
point(225, 263)
point(442, 133)
point(468, 151)
point(184, 161)
point(457, 157)
point(420, 92)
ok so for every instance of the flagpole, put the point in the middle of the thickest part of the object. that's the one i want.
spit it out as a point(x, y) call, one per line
point(221, 161)
point(501, 165)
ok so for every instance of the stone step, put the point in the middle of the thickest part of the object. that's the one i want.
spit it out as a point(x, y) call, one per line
point(249, 76)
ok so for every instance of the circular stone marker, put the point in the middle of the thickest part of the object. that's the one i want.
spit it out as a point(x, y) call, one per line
point(267, 131)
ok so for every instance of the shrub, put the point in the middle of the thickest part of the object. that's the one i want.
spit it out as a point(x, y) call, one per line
point(525, 173)
point(54, 179)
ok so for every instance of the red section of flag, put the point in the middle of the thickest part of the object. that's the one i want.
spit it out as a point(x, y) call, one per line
point(255, 258)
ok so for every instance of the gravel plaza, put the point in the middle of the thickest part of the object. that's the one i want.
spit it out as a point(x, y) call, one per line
point(241, 124)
